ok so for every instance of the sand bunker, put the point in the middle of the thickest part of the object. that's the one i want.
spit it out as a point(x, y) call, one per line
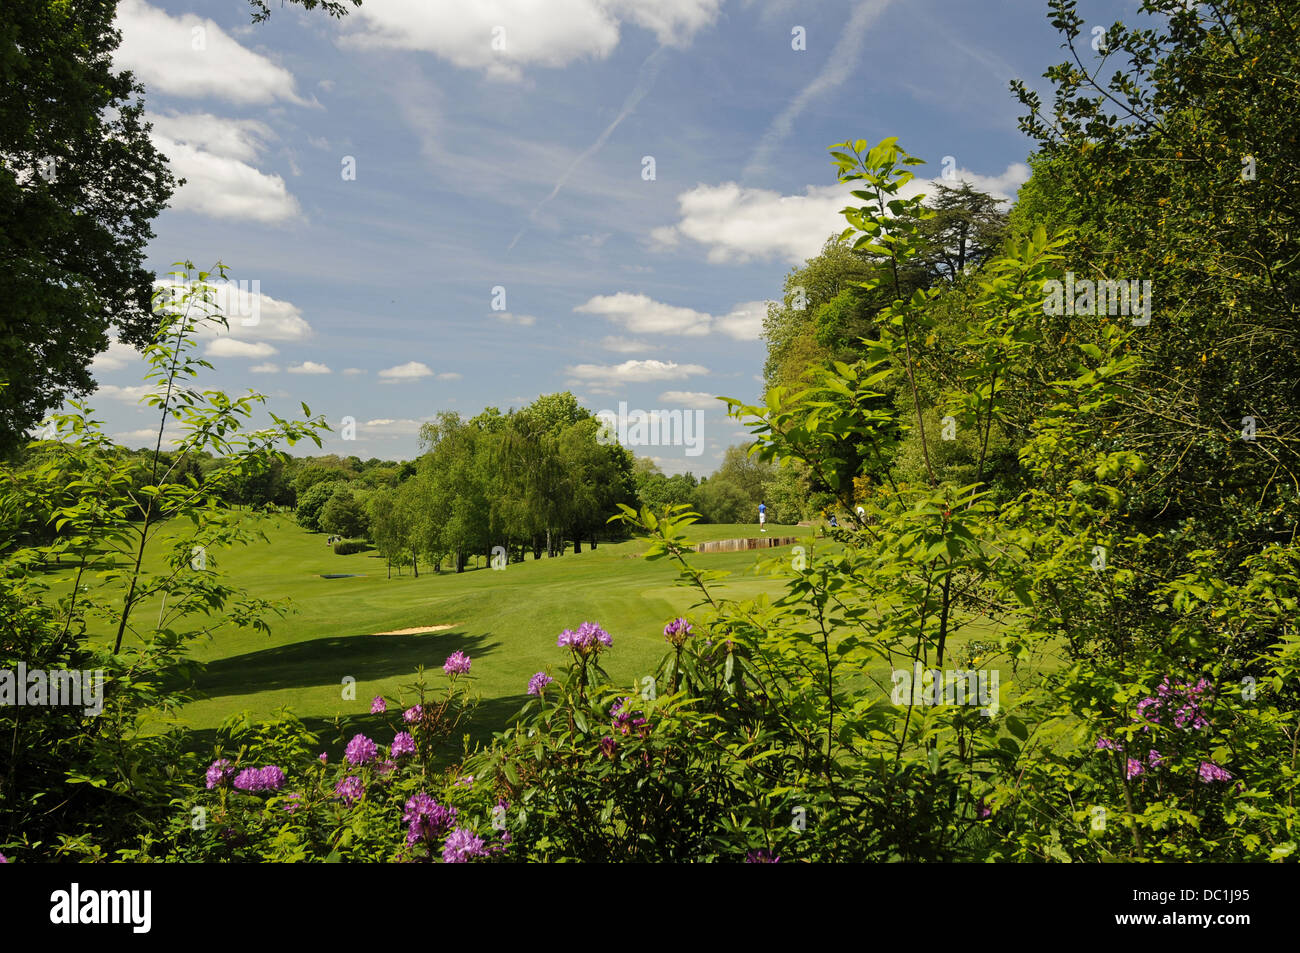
point(419, 629)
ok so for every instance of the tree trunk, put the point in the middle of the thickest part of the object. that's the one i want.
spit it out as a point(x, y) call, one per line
point(390, 566)
point(537, 546)
point(577, 543)
point(550, 549)
point(415, 563)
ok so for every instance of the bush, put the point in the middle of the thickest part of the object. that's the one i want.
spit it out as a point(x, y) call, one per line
point(346, 547)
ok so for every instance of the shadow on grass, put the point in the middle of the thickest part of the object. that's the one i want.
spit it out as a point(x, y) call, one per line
point(490, 715)
point(326, 661)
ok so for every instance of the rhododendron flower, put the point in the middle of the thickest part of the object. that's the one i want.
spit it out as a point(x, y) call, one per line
point(403, 744)
point(385, 768)
point(626, 721)
point(250, 779)
point(461, 846)
point(378, 706)
point(427, 818)
point(1105, 744)
point(292, 804)
point(762, 856)
point(1134, 768)
point(464, 782)
point(3, 859)
point(361, 750)
point(457, 664)
point(324, 758)
point(1211, 772)
point(677, 631)
point(1155, 758)
point(219, 772)
point(272, 778)
point(349, 789)
point(538, 682)
point(587, 639)
point(412, 714)
point(608, 746)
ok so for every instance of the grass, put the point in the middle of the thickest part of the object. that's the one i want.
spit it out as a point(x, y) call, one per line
point(506, 621)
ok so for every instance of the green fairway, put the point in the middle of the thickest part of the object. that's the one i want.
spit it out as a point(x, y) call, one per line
point(507, 621)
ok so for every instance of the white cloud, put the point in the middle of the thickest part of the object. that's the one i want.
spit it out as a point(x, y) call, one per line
point(161, 50)
point(411, 370)
point(241, 300)
point(744, 322)
point(692, 398)
point(131, 395)
point(524, 320)
point(241, 139)
point(225, 187)
point(309, 367)
point(233, 347)
point(641, 314)
point(147, 437)
point(526, 33)
point(115, 358)
point(387, 426)
point(267, 368)
point(738, 224)
point(633, 372)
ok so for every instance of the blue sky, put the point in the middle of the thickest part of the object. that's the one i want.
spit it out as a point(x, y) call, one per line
point(502, 144)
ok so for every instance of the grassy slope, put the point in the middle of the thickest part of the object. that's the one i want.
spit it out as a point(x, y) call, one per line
point(506, 621)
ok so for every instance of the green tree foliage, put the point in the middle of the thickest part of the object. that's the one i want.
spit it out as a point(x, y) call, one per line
point(343, 515)
point(312, 503)
point(79, 184)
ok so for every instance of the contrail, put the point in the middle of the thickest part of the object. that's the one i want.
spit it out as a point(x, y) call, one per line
point(646, 78)
point(839, 65)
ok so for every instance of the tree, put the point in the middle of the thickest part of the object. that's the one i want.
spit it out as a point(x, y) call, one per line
point(311, 503)
point(79, 186)
point(342, 515)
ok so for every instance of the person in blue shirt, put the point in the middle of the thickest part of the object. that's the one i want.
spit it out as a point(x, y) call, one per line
point(762, 517)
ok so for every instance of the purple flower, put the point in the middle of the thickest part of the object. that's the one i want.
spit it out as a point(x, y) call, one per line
point(250, 779)
point(1144, 709)
point(762, 856)
point(360, 750)
point(412, 714)
point(427, 818)
point(3, 859)
point(587, 639)
point(349, 790)
point(465, 782)
point(1105, 744)
point(219, 773)
point(461, 846)
point(1155, 759)
point(626, 721)
point(677, 631)
point(292, 803)
point(378, 706)
point(1134, 768)
point(324, 758)
point(272, 778)
point(403, 744)
point(457, 663)
point(1211, 772)
point(608, 746)
point(538, 682)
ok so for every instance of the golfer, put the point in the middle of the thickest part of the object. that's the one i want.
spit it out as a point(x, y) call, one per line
point(762, 517)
